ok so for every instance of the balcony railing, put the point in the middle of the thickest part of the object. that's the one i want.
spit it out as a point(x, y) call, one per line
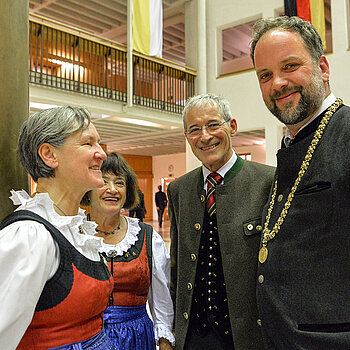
point(74, 62)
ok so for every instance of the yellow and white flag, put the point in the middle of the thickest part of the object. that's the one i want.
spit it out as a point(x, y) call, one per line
point(147, 27)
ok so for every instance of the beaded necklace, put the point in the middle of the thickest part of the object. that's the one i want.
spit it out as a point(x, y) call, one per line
point(109, 233)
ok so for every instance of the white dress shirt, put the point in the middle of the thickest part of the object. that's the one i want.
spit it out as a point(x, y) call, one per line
point(222, 171)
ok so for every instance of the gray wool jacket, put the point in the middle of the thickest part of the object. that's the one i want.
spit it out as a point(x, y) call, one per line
point(239, 202)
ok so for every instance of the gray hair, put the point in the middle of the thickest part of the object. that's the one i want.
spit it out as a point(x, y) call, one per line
point(53, 126)
point(307, 32)
point(205, 100)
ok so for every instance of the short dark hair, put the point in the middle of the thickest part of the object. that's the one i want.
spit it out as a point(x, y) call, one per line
point(308, 33)
point(117, 165)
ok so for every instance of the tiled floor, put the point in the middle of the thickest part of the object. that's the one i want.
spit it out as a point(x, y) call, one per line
point(164, 231)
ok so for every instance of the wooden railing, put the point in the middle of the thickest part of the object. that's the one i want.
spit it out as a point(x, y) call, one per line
point(75, 61)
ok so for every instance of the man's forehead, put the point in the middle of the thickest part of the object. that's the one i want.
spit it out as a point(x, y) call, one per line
point(210, 108)
point(281, 45)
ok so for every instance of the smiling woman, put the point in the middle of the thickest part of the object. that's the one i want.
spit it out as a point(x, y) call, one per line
point(56, 260)
point(138, 259)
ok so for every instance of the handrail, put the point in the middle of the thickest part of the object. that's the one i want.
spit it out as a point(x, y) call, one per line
point(75, 31)
point(73, 61)
point(103, 40)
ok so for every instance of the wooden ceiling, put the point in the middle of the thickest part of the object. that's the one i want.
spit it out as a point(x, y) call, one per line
point(108, 19)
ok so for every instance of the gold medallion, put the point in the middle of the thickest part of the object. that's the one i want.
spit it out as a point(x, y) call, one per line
point(263, 254)
point(269, 234)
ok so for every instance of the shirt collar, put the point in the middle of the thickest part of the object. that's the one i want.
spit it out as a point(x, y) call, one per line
point(325, 104)
point(222, 171)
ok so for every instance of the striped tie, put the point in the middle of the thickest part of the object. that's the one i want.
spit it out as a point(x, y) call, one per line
point(213, 179)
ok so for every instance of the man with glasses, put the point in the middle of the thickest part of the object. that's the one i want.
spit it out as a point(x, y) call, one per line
point(215, 217)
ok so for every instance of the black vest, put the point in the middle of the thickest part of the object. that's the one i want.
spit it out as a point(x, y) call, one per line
point(59, 286)
point(303, 287)
point(209, 303)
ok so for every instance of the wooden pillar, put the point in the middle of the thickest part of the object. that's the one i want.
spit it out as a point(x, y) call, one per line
point(14, 96)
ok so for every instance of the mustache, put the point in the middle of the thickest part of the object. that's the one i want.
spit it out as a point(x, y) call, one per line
point(285, 91)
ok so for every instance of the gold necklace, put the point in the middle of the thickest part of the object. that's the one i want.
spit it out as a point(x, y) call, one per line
point(270, 234)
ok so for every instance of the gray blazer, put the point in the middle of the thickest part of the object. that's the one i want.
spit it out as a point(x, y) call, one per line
point(239, 201)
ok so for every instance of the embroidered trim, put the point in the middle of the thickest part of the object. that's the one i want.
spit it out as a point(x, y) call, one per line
point(129, 240)
point(42, 205)
point(161, 331)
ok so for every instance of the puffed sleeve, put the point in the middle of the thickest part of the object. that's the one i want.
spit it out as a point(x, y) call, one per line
point(28, 258)
point(160, 303)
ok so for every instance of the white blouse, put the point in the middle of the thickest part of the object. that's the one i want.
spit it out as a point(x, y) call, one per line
point(29, 257)
point(159, 299)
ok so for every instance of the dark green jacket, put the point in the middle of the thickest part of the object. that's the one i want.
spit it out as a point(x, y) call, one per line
point(239, 201)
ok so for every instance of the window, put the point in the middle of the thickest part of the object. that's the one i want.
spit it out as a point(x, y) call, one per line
point(236, 48)
point(235, 42)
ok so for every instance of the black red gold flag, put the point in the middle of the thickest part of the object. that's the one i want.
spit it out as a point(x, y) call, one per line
point(308, 10)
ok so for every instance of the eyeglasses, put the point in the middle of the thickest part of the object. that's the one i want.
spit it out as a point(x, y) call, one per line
point(211, 128)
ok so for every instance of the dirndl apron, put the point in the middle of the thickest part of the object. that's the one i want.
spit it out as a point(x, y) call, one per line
point(98, 342)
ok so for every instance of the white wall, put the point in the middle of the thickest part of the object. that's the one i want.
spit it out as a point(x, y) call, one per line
point(160, 165)
point(242, 89)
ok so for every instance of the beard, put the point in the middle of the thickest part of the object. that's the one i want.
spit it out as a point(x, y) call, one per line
point(312, 96)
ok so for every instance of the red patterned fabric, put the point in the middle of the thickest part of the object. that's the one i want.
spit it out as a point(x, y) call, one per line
point(213, 179)
point(132, 280)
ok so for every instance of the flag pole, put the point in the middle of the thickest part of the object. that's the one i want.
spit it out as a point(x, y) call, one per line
point(129, 56)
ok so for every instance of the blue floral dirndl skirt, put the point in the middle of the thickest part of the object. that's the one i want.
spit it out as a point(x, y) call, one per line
point(130, 328)
point(100, 341)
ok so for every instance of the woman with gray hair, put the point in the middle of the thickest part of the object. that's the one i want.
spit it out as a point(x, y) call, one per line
point(54, 285)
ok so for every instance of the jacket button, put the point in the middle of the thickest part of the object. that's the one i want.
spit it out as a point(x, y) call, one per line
point(202, 198)
point(258, 227)
point(258, 321)
point(197, 226)
point(185, 315)
point(189, 286)
point(280, 197)
point(250, 227)
point(193, 257)
point(261, 279)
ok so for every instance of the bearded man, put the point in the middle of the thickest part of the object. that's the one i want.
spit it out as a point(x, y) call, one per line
point(304, 272)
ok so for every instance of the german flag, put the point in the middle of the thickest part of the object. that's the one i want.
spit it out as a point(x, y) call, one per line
point(308, 10)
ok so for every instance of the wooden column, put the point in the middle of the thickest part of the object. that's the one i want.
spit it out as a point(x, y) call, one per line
point(14, 95)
